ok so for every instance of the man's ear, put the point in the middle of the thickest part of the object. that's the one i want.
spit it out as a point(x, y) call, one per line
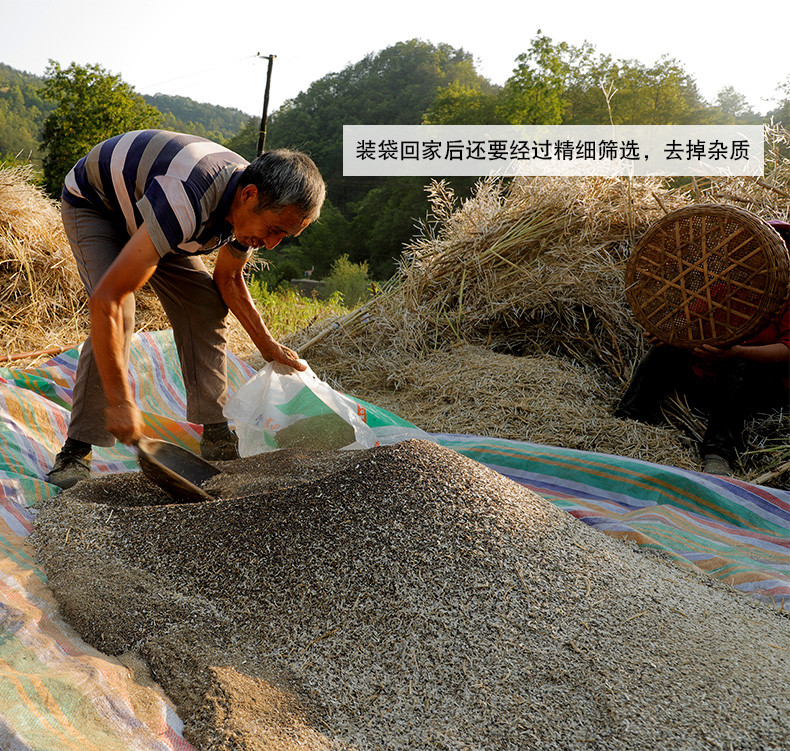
point(249, 192)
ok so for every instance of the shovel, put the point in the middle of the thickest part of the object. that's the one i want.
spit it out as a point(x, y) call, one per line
point(175, 469)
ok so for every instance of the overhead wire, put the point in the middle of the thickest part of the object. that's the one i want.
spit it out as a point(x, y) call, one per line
point(213, 69)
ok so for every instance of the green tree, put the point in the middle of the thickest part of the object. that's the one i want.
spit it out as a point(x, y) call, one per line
point(384, 220)
point(557, 83)
point(324, 240)
point(670, 95)
point(185, 115)
point(537, 91)
point(245, 142)
point(22, 113)
point(394, 86)
point(350, 279)
point(92, 105)
point(732, 102)
point(461, 104)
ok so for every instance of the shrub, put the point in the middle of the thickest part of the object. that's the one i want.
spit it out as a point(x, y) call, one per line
point(350, 279)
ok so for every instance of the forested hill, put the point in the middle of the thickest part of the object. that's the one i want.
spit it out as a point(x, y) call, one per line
point(23, 111)
point(419, 82)
point(185, 115)
point(411, 82)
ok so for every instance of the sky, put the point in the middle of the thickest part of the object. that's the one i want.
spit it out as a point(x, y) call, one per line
point(216, 53)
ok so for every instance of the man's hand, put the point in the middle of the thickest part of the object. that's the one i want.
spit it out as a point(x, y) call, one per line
point(125, 422)
point(280, 353)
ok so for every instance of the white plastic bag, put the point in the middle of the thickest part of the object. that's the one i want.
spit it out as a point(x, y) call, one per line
point(280, 407)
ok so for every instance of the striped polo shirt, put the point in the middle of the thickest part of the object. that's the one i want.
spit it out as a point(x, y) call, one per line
point(181, 186)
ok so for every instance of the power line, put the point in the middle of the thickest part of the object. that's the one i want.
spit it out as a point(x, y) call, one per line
point(212, 69)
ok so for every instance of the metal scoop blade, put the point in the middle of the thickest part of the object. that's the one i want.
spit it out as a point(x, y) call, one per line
point(175, 469)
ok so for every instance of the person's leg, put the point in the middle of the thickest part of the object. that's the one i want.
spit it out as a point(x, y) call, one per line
point(198, 315)
point(95, 243)
point(727, 413)
point(660, 371)
point(739, 388)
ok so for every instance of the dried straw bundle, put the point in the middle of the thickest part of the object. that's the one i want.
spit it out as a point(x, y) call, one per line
point(534, 267)
point(42, 301)
point(553, 285)
point(769, 196)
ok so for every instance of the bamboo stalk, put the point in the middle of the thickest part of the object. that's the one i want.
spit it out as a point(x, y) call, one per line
point(775, 473)
point(37, 353)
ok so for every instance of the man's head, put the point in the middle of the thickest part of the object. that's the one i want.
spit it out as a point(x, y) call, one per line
point(286, 178)
point(278, 195)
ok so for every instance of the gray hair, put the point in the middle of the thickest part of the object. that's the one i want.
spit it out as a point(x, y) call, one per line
point(286, 178)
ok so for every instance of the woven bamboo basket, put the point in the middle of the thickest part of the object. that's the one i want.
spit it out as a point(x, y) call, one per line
point(707, 274)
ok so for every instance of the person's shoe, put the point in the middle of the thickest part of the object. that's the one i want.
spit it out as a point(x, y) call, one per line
point(713, 464)
point(219, 443)
point(72, 464)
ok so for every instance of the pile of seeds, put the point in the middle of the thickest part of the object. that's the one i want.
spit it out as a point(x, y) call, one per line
point(407, 597)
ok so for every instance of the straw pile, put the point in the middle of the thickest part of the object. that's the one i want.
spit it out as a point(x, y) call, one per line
point(768, 196)
point(42, 302)
point(530, 267)
point(407, 597)
point(466, 388)
point(43, 305)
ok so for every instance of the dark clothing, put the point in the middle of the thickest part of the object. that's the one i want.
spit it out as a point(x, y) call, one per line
point(729, 391)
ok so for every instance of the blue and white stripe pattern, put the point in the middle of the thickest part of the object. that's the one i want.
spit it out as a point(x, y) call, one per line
point(181, 186)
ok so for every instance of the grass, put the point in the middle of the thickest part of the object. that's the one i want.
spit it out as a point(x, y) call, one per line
point(286, 312)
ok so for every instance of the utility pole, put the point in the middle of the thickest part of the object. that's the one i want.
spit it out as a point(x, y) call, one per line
point(265, 115)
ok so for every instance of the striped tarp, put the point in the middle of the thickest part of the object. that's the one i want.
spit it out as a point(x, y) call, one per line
point(734, 531)
point(56, 692)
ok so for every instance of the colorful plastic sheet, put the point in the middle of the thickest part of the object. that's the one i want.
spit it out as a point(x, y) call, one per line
point(56, 692)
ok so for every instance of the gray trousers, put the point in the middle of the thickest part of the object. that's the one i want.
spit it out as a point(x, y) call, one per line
point(191, 302)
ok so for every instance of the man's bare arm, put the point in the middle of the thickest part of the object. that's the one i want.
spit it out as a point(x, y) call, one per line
point(133, 267)
point(229, 278)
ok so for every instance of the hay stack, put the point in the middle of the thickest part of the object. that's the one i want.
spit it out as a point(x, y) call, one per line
point(42, 301)
point(768, 196)
point(533, 266)
point(528, 266)
point(43, 304)
point(407, 597)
